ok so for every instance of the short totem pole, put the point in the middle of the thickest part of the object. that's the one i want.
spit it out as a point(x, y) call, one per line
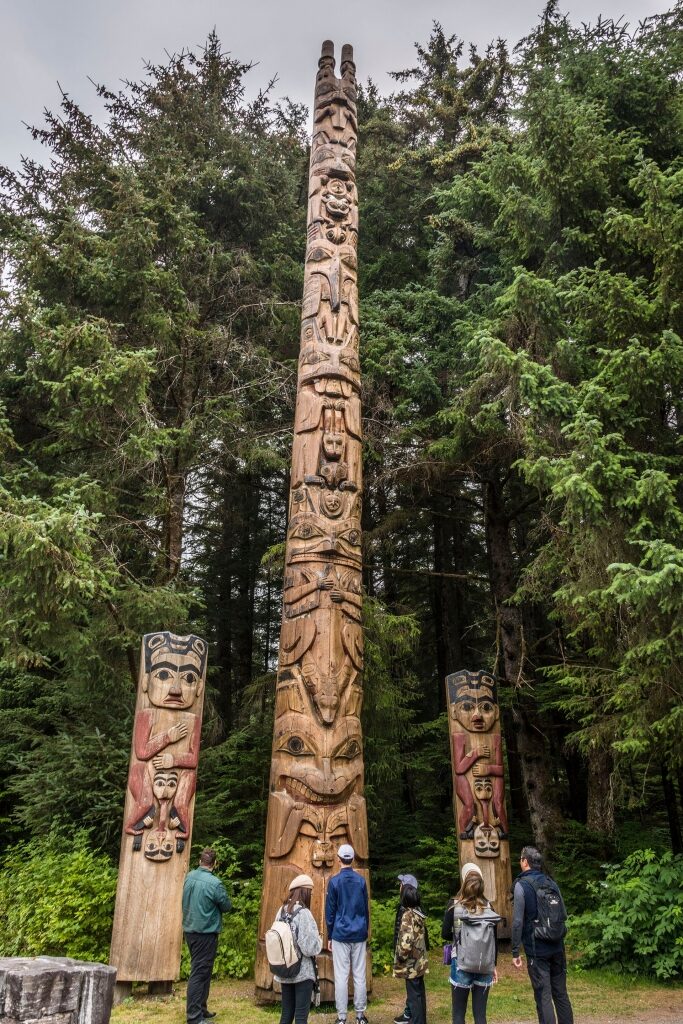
point(479, 784)
point(157, 823)
point(316, 798)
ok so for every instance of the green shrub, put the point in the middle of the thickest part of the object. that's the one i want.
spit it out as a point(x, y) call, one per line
point(57, 899)
point(578, 859)
point(383, 914)
point(636, 923)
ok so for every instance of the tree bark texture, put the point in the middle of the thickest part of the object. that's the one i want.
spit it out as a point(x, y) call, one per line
point(532, 744)
point(316, 800)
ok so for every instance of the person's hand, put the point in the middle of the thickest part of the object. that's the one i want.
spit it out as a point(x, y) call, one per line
point(495, 975)
point(517, 962)
point(162, 761)
point(177, 732)
point(329, 946)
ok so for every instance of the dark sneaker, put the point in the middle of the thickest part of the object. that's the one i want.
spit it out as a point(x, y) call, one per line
point(362, 1019)
point(401, 1018)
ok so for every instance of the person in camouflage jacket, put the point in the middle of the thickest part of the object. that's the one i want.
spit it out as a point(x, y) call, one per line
point(410, 955)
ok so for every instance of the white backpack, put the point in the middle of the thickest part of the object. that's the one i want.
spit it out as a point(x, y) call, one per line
point(282, 952)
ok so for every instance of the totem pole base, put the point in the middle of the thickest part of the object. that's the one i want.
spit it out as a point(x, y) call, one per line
point(160, 988)
point(122, 990)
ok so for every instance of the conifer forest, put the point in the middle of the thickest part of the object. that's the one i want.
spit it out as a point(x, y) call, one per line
point(520, 273)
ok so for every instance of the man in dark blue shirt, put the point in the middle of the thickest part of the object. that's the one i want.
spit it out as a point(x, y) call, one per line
point(546, 961)
point(347, 915)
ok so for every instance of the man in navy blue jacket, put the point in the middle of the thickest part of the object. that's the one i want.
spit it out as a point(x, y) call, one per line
point(546, 962)
point(347, 915)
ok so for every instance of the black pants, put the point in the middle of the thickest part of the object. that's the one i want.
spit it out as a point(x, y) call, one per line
point(417, 1000)
point(203, 946)
point(296, 1001)
point(549, 980)
point(459, 997)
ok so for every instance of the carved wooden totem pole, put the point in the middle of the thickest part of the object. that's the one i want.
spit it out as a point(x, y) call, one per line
point(157, 822)
point(479, 784)
point(316, 798)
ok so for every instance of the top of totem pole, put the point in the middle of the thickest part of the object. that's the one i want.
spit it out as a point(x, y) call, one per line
point(327, 53)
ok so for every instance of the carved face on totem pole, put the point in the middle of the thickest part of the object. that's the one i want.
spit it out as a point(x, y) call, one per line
point(475, 705)
point(162, 776)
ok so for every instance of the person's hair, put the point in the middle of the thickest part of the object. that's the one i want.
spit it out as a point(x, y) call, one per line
point(409, 897)
point(532, 856)
point(302, 895)
point(471, 893)
point(207, 857)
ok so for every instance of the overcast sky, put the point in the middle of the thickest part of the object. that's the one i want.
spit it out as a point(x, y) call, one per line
point(43, 42)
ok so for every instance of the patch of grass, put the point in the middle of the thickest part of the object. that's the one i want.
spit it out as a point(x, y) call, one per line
point(596, 995)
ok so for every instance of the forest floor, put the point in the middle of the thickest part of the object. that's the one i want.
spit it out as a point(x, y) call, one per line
point(598, 997)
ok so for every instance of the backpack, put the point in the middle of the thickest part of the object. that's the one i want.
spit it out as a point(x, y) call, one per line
point(282, 952)
point(476, 941)
point(549, 923)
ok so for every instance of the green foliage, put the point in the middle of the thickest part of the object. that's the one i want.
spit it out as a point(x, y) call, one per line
point(636, 923)
point(383, 914)
point(57, 899)
point(578, 855)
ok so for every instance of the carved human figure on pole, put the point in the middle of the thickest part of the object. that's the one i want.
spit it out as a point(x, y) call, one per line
point(479, 783)
point(316, 800)
point(476, 708)
point(157, 822)
point(166, 736)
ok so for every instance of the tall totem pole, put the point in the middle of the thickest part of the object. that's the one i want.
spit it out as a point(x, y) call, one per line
point(316, 798)
point(479, 784)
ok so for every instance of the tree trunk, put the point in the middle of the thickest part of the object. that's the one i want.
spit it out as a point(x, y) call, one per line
point(518, 803)
point(173, 532)
point(446, 597)
point(672, 810)
point(532, 744)
point(575, 767)
point(600, 803)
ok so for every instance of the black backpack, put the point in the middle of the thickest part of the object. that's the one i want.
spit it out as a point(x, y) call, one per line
point(549, 923)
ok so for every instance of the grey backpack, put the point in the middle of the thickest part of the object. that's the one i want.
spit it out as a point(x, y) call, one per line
point(476, 941)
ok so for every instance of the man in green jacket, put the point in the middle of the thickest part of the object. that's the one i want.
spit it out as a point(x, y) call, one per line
point(204, 901)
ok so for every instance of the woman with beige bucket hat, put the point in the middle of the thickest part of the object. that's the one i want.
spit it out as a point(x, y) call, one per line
point(297, 991)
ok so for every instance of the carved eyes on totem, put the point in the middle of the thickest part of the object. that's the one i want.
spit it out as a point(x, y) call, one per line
point(350, 750)
point(485, 706)
point(164, 675)
point(306, 531)
point(295, 745)
point(350, 360)
point(299, 748)
point(310, 358)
